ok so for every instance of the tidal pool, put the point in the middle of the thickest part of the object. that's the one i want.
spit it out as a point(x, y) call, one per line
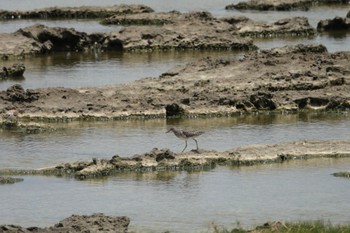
point(86, 140)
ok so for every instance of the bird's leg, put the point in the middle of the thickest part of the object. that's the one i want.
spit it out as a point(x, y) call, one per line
point(185, 146)
point(196, 143)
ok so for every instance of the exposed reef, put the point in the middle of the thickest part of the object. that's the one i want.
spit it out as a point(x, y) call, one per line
point(291, 78)
point(82, 12)
point(76, 224)
point(164, 159)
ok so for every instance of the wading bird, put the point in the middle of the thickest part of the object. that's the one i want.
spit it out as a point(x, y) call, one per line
point(185, 135)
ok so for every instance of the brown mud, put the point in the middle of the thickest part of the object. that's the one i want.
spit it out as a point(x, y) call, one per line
point(76, 224)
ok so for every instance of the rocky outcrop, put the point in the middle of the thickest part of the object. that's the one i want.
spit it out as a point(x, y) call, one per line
point(297, 26)
point(348, 15)
point(76, 12)
point(78, 223)
point(40, 39)
point(272, 5)
point(14, 71)
point(9, 180)
point(338, 23)
point(281, 5)
point(195, 31)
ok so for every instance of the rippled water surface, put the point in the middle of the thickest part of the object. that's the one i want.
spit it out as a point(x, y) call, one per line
point(175, 201)
point(189, 202)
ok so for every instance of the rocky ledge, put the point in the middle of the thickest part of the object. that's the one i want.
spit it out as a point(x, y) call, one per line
point(297, 26)
point(338, 23)
point(291, 78)
point(281, 5)
point(164, 159)
point(75, 12)
point(76, 224)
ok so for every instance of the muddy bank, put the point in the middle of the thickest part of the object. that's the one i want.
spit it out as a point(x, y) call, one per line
point(9, 180)
point(82, 12)
point(281, 5)
point(292, 78)
point(78, 223)
point(164, 159)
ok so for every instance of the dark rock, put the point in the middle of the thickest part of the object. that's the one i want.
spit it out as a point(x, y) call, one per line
point(9, 180)
point(163, 154)
point(16, 93)
point(15, 70)
point(61, 39)
point(348, 15)
point(174, 110)
point(337, 23)
point(263, 101)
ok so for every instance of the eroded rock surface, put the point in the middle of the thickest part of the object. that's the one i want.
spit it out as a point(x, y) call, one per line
point(76, 12)
point(290, 78)
point(76, 224)
point(296, 26)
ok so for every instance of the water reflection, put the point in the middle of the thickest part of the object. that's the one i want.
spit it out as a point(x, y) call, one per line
point(86, 70)
point(85, 140)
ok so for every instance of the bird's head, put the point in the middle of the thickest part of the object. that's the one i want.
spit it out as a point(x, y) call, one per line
point(171, 129)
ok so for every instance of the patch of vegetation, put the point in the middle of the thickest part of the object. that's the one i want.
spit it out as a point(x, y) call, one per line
point(299, 227)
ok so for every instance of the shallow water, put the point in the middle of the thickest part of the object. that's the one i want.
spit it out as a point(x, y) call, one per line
point(175, 201)
point(189, 202)
point(83, 141)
